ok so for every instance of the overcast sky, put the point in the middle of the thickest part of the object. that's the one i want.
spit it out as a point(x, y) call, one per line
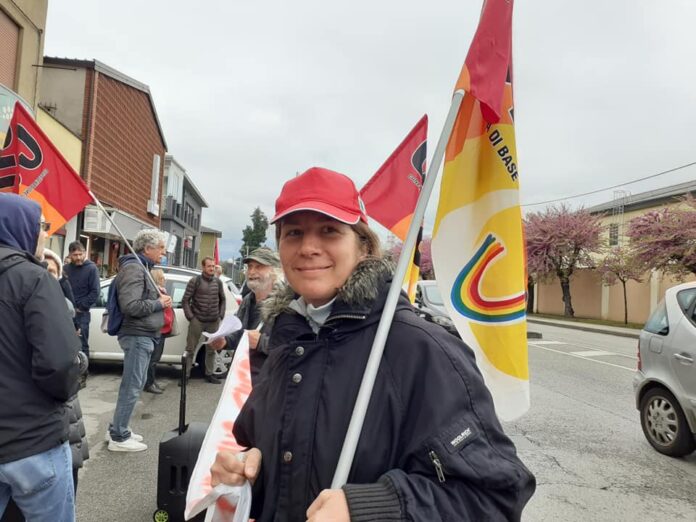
point(248, 93)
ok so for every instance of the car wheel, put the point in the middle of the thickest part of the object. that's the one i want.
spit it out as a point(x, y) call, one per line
point(664, 424)
point(222, 363)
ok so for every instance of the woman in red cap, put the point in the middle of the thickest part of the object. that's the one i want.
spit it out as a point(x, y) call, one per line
point(431, 447)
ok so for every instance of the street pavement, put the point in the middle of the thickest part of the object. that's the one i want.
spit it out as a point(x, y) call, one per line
point(581, 438)
point(123, 486)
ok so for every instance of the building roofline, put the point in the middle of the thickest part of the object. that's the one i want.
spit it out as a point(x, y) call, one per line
point(648, 198)
point(194, 189)
point(208, 230)
point(102, 68)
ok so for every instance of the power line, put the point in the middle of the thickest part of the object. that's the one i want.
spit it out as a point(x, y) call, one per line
point(609, 188)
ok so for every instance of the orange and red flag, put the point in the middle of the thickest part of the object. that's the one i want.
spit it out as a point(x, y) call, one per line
point(391, 194)
point(33, 167)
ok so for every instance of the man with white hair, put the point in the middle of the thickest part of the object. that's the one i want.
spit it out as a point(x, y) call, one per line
point(263, 272)
point(142, 307)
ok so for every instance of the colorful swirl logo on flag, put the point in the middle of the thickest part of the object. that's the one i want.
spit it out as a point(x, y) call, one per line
point(467, 298)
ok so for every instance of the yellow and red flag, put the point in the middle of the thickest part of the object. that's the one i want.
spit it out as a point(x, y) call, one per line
point(391, 194)
point(478, 248)
point(34, 167)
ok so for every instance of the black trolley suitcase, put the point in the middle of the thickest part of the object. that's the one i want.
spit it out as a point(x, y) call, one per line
point(178, 452)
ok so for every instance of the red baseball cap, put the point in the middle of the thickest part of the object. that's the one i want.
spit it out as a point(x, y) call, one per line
point(324, 191)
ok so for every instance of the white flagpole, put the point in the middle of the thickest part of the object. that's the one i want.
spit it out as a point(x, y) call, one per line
point(350, 443)
point(108, 216)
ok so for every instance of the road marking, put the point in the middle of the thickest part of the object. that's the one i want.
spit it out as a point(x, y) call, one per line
point(546, 342)
point(592, 353)
point(570, 354)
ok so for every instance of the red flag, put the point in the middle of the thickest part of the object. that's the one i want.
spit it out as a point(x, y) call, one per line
point(216, 253)
point(40, 172)
point(391, 194)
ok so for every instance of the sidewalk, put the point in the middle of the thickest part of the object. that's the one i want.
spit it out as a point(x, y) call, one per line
point(586, 327)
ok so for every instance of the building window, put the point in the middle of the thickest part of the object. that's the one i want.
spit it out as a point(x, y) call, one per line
point(613, 234)
point(188, 214)
point(9, 36)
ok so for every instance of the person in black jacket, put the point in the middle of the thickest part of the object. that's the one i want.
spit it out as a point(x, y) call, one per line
point(204, 307)
point(431, 447)
point(262, 275)
point(84, 280)
point(38, 371)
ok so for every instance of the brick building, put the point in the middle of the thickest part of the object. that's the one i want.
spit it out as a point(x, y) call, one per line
point(122, 154)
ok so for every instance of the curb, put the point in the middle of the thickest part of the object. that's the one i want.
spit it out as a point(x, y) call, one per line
point(586, 328)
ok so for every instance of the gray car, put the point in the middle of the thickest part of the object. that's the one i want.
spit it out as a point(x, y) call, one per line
point(665, 383)
point(432, 307)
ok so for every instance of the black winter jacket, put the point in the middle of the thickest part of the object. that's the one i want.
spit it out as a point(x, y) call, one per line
point(38, 357)
point(204, 299)
point(431, 447)
point(249, 313)
point(84, 281)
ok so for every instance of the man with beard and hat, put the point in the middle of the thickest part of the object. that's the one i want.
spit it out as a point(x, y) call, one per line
point(262, 275)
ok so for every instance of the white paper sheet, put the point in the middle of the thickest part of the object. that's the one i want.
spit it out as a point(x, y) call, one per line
point(228, 325)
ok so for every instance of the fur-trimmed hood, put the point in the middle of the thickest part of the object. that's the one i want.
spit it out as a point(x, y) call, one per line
point(360, 291)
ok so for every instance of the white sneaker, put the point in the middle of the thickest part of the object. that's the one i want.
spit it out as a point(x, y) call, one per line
point(134, 436)
point(127, 445)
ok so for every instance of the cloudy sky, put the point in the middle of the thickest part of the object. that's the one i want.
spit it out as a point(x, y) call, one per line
point(249, 93)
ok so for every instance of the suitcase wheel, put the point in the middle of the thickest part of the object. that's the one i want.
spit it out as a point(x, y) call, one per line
point(160, 515)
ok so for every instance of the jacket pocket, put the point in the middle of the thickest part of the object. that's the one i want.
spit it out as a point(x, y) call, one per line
point(464, 451)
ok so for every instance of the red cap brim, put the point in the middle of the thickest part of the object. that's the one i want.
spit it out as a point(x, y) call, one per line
point(349, 218)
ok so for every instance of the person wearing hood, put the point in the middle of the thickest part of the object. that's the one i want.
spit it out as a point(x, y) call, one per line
point(84, 280)
point(142, 307)
point(431, 447)
point(38, 371)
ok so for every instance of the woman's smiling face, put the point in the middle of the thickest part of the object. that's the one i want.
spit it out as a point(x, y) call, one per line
point(318, 255)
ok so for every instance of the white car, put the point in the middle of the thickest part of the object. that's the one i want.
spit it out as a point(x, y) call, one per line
point(104, 347)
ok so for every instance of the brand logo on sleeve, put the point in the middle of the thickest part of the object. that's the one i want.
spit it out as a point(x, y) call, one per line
point(459, 439)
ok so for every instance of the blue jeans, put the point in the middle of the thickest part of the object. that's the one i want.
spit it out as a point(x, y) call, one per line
point(41, 485)
point(156, 356)
point(82, 322)
point(136, 359)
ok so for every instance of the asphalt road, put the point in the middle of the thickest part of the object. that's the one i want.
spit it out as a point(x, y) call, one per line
point(581, 438)
point(583, 441)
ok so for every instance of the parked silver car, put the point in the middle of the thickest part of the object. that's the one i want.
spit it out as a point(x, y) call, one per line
point(665, 383)
point(103, 347)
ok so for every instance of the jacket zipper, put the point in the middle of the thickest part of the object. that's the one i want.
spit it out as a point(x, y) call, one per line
point(438, 466)
point(345, 316)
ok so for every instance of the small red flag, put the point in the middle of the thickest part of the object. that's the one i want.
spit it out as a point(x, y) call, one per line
point(216, 253)
point(391, 195)
point(39, 171)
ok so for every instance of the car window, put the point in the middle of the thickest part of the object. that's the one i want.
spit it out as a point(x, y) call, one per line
point(434, 295)
point(686, 299)
point(176, 289)
point(658, 323)
point(103, 296)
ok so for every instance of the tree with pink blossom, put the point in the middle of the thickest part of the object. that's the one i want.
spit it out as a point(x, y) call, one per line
point(426, 261)
point(623, 265)
point(665, 239)
point(559, 240)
